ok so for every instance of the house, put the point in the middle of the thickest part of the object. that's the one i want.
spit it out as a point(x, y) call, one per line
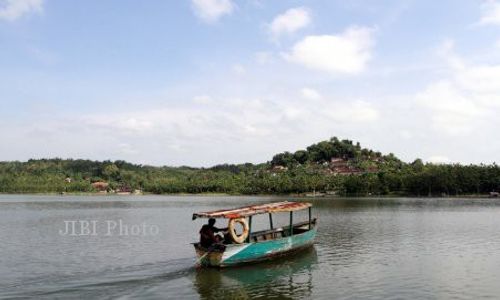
point(338, 162)
point(346, 170)
point(124, 190)
point(279, 168)
point(100, 186)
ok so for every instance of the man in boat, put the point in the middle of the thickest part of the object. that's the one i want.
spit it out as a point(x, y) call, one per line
point(208, 237)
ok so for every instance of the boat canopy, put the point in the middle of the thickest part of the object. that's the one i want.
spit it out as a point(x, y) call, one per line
point(285, 206)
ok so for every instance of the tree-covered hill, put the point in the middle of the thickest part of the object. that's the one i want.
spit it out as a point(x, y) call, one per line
point(335, 166)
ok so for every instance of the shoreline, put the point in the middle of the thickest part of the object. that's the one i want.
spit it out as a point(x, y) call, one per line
point(97, 194)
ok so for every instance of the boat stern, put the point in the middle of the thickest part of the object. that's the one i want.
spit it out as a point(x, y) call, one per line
point(208, 257)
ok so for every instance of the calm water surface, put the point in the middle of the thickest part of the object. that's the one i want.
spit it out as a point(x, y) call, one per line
point(365, 249)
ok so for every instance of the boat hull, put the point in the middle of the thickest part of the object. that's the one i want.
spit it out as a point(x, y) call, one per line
point(237, 254)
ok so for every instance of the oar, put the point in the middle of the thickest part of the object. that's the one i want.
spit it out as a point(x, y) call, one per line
point(201, 257)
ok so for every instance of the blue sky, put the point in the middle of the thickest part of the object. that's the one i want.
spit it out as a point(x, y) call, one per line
point(203, 82)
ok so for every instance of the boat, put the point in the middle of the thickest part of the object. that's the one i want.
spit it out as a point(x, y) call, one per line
point(315, 194)
point(250, 247)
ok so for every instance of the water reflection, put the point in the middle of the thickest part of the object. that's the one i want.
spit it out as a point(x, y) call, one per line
point(290, 277)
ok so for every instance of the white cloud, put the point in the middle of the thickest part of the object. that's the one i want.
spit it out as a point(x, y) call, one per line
point(11, 10)
point(348, 52)
point(405, 134)
point(452, 112)
point(490, 13)
point(310, 94)
point(263, 57)
point(480, 78)
point(128, 123)
point(238, 69)
point(355, 112)
point(293, 112)
point(211, 10)
point(290, 21)
point(126, 149)
point(446, 51)
point(202, 99)
point(463, 102)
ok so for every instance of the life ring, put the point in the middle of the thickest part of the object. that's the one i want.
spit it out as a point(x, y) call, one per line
point(239, 239)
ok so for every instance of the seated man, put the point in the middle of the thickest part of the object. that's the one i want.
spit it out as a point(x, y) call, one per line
point(207, 234)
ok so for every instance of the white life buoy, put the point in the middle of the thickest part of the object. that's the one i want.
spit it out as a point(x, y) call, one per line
point(239, 239)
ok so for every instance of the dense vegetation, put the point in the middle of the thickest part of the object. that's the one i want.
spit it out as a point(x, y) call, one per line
point(336, 166)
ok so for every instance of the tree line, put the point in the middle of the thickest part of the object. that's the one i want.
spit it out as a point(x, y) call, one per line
point(365, 172)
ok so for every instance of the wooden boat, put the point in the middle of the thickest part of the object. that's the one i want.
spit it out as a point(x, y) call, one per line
point(315, 194)
point(257, 246)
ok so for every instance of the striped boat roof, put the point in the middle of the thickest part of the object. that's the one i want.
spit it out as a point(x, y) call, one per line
point(251, 210)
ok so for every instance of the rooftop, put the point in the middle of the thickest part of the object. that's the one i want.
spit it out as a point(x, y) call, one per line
point(251, 210)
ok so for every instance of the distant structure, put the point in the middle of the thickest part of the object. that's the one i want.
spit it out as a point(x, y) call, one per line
point(100, 186)
point(124, 190)
point(279, 168)
point(340, 166)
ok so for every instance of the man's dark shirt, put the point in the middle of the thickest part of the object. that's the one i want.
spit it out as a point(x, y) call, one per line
point(207, 235)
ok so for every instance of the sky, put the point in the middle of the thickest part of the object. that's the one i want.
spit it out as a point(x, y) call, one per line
point(205, 82)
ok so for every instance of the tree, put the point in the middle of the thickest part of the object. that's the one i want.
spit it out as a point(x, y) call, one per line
point(301, 156)
point(111, 172)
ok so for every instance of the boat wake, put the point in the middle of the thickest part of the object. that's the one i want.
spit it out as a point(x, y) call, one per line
point(116, 282)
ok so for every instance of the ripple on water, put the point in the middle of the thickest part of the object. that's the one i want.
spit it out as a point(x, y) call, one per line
point(365, 248)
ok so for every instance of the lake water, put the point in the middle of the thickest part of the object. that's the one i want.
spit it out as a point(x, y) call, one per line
point(365, 248)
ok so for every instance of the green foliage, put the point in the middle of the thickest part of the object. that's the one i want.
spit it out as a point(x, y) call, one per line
point(324, 151)
point(299, 172)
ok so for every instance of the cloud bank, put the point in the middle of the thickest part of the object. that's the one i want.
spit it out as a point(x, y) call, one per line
point(466, 100)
